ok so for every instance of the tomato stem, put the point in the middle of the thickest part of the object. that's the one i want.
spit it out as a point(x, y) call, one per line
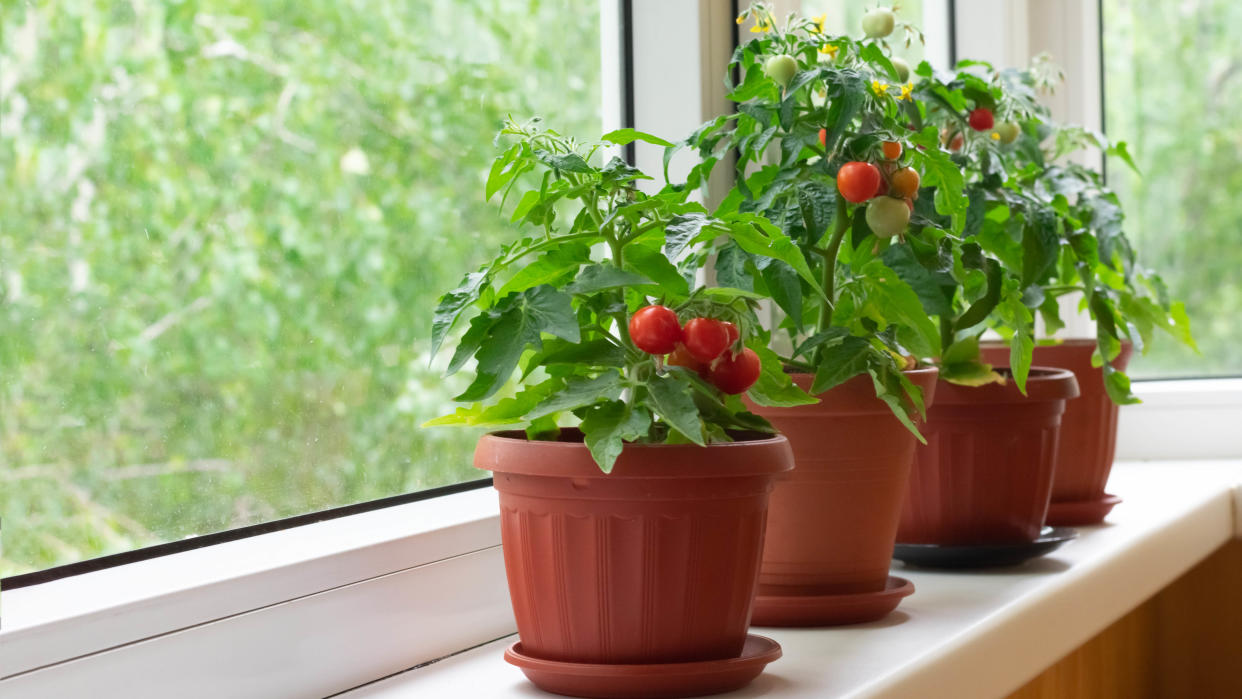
point(840, 224)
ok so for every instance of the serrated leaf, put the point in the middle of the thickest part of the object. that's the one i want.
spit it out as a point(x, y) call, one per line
point(682, 230)
point(567, 162)
point(452, 304)
point(775, 387)
point(578, 392)
point(671, 398)
point(506, 411)
point(552, 267)
point(901, 260)
point(607, 426)
point(597, 277)
point(840, 362)
point(525, 316)
point(626, 136)
point(592, 353)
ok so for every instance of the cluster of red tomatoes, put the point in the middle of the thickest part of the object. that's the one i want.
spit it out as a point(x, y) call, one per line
point(889, 190)
point(701, 345)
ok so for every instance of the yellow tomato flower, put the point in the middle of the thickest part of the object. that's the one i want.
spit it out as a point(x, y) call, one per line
point(741, 18)
point(830, 50)
point(905, 92)
point(761, 27)
point(880, 89)
point(995, 136)
point(819, 23)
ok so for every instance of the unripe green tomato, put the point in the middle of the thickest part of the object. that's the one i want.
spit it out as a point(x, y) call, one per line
point(781, 68)
point(1008, 131)
point(879, 23)
point(903, 70)
point(886, 216)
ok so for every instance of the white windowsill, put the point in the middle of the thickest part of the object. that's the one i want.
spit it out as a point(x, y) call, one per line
point(973, 634)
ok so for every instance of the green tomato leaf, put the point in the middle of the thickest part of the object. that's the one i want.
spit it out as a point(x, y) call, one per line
point(597, 277)
point(452, 304)
point(901, 260)
point(671, 399)
point(607, 426)
point(506, 411)
point(579, 392)
point(840, 362)
point(775, 387)
point(567, 162)
point(626, 136)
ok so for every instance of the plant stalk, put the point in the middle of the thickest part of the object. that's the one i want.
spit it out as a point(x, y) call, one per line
point(840, 224)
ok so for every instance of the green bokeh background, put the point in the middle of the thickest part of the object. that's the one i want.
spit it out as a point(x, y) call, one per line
point(225, 225)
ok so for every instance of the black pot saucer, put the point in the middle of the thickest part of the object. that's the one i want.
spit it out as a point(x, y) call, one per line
point(983, 555)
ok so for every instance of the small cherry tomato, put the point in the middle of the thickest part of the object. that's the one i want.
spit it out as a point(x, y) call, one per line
point(823, 137)
point(705, 338)
point(1008, 131)
point(879, 23)
point(781, 68)
point(858, 181)
point(680, 356)
point(905, 182)
point(892, 150)
point(655, 329)
point(735, 373)
point(981, 119)
point(902, 68)
point(883, 188)
point(887, 217)
point(910, 204)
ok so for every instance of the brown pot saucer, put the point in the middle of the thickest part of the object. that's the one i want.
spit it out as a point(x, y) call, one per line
point(830, 610)
point(647, 681)
point(1078, 513)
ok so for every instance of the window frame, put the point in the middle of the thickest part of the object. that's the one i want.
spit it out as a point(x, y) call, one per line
point(331, 605)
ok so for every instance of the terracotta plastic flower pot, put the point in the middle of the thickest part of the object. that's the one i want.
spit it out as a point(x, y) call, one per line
point(985, 475)
point(834, 518)
point(1088, 431)
point(655, 562)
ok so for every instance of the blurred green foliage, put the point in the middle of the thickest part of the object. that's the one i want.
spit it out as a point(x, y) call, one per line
point(1173, 91)
point(225, 225)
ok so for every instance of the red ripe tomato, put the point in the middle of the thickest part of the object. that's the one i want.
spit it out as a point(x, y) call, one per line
point(883, 188)
point(732, 330)
point(705, 338)
point(655, 329)
point(892, 150)
point(823, 137)
point(858, 181)
point(910, 204)
point(981, 119)
point(681, 357)
point(905, 182)
point(735, 373)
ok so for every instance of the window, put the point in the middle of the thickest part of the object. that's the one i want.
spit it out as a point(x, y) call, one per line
point(1171, 90)
point(226, 225)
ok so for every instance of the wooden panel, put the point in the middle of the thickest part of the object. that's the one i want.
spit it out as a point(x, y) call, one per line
point(1184, 642)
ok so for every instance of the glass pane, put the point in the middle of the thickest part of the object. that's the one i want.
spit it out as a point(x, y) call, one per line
point(1173, 91)
point(845, 17)
point(226, 223)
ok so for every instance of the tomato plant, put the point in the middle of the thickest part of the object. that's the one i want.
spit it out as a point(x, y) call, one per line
point(585, 309)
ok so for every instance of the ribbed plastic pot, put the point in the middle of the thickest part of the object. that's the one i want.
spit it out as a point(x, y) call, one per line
point(655, 562)
point(1089, 426)
point(833, 520)
point(985, 475)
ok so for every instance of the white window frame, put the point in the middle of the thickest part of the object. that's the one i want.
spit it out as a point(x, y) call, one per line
point(326, 607)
